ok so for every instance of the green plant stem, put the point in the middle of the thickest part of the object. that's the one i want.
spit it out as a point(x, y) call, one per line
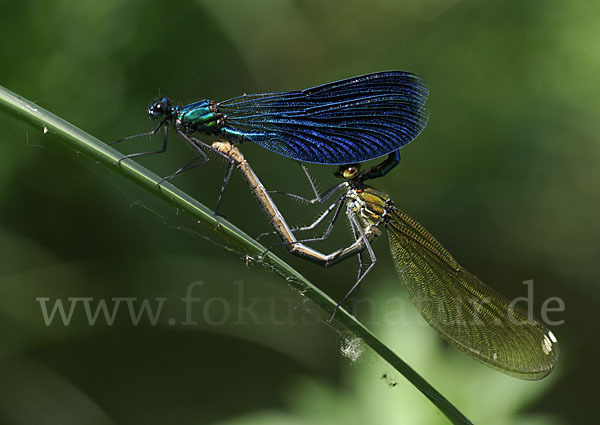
point(51, 125)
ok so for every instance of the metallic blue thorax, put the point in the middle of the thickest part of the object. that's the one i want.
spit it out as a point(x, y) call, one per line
point(199, 116)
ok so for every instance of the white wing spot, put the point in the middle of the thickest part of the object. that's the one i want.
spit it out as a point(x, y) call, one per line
point(546, 345)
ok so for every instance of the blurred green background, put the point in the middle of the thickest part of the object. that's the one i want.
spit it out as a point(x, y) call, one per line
point(505, 175)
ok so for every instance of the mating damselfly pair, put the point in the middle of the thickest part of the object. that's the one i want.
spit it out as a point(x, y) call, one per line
point(345, 123)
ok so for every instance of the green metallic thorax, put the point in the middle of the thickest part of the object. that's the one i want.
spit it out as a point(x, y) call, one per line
point(201, 117)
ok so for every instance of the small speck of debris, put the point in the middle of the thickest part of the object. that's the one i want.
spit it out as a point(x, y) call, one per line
point(46, 130)
point(249, 260)
point(391, 383)
point(352, 348)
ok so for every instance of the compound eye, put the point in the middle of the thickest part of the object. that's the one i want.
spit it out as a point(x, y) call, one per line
point(350, 172)
point(157, 109)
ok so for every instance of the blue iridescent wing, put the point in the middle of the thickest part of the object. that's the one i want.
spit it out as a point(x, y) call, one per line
point(343, 122)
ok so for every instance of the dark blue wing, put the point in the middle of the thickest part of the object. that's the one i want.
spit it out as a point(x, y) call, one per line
point(343, 122)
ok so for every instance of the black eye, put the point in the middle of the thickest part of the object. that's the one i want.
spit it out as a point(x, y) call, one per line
point(156, 110)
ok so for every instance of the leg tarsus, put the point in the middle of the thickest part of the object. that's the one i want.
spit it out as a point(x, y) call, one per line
point(339, 204)
point(224, 185)
point(310, 181)
point(303, 228)
point(360, 230)
point(163, 149)
point(185, 168)
point(146, 133)
point(318, 198)
point(200, 146)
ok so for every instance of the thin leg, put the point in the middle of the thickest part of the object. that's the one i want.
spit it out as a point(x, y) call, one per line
point(147, 133)
point(192, 164)
point(360, 265)
point(336, 215)
point(163, 149)
point(200, 146)
point(317, 221)
point(320, 199)
point(313, 186)
point(340, 203)
point(309, 227)
point(355, 222)
point(224, 185)
point(356, 234)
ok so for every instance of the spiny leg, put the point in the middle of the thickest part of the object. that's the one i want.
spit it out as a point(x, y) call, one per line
point(311, 181)
point(322, 198)
point(146, 133)
point(339, 204)
point(304, 228)
point(149, 133)
point(355, 222)
point(360, 265)
point(200, 146)
point(225, 183)
point(317, 221)
point(356, 234)
point(192, 164)
point(319, 198)
point(354, 295)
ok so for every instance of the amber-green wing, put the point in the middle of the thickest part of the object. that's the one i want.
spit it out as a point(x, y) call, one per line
point(465, 311)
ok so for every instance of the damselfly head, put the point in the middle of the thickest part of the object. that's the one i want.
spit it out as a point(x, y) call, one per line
point(161, 108)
